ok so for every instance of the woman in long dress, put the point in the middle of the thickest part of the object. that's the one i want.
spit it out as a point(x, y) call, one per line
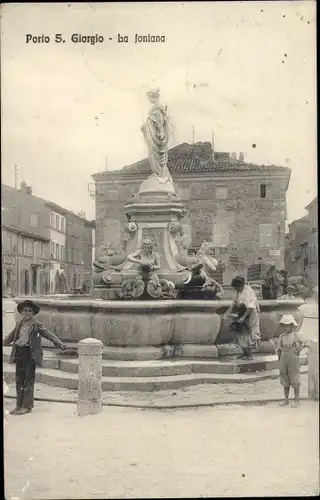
point(156, 134)
point(248, 321)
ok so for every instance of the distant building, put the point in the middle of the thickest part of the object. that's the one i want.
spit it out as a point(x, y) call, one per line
point(312, 241)
point(295, 240)
point(301, 241)
point(37, 244)
point(239, 206)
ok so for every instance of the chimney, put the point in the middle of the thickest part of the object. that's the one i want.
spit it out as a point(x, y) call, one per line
point(241, 157)
point(233, 156)
point(212, 146)
point(23, 187)
point(29, 190)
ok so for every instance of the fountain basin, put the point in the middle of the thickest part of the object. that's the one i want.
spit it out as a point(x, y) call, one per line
point(142, 328)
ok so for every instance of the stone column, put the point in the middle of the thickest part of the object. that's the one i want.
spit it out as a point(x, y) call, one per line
point(313, 370)
point(90, 376)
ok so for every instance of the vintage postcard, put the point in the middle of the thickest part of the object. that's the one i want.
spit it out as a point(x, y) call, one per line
point(159, 249)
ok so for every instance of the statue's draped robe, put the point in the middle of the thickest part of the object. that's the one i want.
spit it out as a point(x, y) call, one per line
point(156, 135)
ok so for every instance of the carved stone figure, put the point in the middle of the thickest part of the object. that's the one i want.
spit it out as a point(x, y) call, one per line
point(148, 260)
point(110, 258)
point(207, 262)
point(148, 281)
point(156, 135)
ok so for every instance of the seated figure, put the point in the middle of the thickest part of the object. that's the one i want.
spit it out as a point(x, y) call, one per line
point(149, 262)
point(204, 263)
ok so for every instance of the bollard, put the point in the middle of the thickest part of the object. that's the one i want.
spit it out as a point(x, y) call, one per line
point(313, 370)
point(90, 376)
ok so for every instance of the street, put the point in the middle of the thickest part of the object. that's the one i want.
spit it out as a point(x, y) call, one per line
point(130, 453)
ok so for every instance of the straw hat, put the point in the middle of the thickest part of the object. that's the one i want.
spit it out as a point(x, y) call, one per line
point(288, 319)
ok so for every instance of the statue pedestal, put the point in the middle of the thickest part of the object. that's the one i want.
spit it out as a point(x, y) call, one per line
point(155, 212)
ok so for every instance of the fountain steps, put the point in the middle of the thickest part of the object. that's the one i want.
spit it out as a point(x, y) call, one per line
point(69, 380)
point(154, 375)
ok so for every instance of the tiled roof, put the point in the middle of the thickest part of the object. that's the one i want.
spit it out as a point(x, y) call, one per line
point(305, 218)
point(312, 203)
point(197, 158)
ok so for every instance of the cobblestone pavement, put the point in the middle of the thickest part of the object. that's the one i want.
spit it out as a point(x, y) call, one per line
point(130, 453)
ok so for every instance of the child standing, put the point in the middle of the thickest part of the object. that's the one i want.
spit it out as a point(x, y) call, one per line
point(289, 347)
point(27, 353)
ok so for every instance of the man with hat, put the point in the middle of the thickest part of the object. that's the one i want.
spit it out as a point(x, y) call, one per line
point(290, 344)
point(27, 353)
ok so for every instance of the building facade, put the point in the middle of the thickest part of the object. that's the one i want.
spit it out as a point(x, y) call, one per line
point(79, 248)
point(295, 251)
point(35, 234)
point(302, 244)
point(312, 242)
point(241, 207)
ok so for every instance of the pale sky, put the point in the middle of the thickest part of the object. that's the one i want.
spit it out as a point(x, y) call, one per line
point(66, 107)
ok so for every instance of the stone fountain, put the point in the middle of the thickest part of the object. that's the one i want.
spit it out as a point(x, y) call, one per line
point(136, 308)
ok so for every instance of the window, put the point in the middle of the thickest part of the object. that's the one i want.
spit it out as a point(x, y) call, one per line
point(52, 250)
point(9, 277)
point(265, 235)
point(220, 235)
point(23, 246)
point(263, 190)
point(57, 251)
point(221, 193)
point(62, 252)
point(53, 220)
point(34, 220)
point(63, 224)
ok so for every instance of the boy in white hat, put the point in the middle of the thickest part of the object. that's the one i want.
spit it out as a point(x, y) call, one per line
point(289, 347)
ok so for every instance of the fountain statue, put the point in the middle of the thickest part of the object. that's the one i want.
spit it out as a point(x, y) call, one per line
point(156, 134)
point(155, 263)
point(150, 266)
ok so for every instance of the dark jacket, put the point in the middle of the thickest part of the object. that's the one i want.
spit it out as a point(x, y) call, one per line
point(36, 333)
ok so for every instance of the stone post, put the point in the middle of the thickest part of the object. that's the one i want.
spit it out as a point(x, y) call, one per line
point(90, 376)
point(313, 370)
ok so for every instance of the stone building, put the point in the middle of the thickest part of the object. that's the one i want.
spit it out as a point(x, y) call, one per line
point(301, 244)
point(312, 241)
point(79, 248)
point(37, 245)
point(239, 206)
point(294, 245)
point(25, 242)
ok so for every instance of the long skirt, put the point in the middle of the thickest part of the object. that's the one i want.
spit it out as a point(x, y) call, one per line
point(249, 336)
